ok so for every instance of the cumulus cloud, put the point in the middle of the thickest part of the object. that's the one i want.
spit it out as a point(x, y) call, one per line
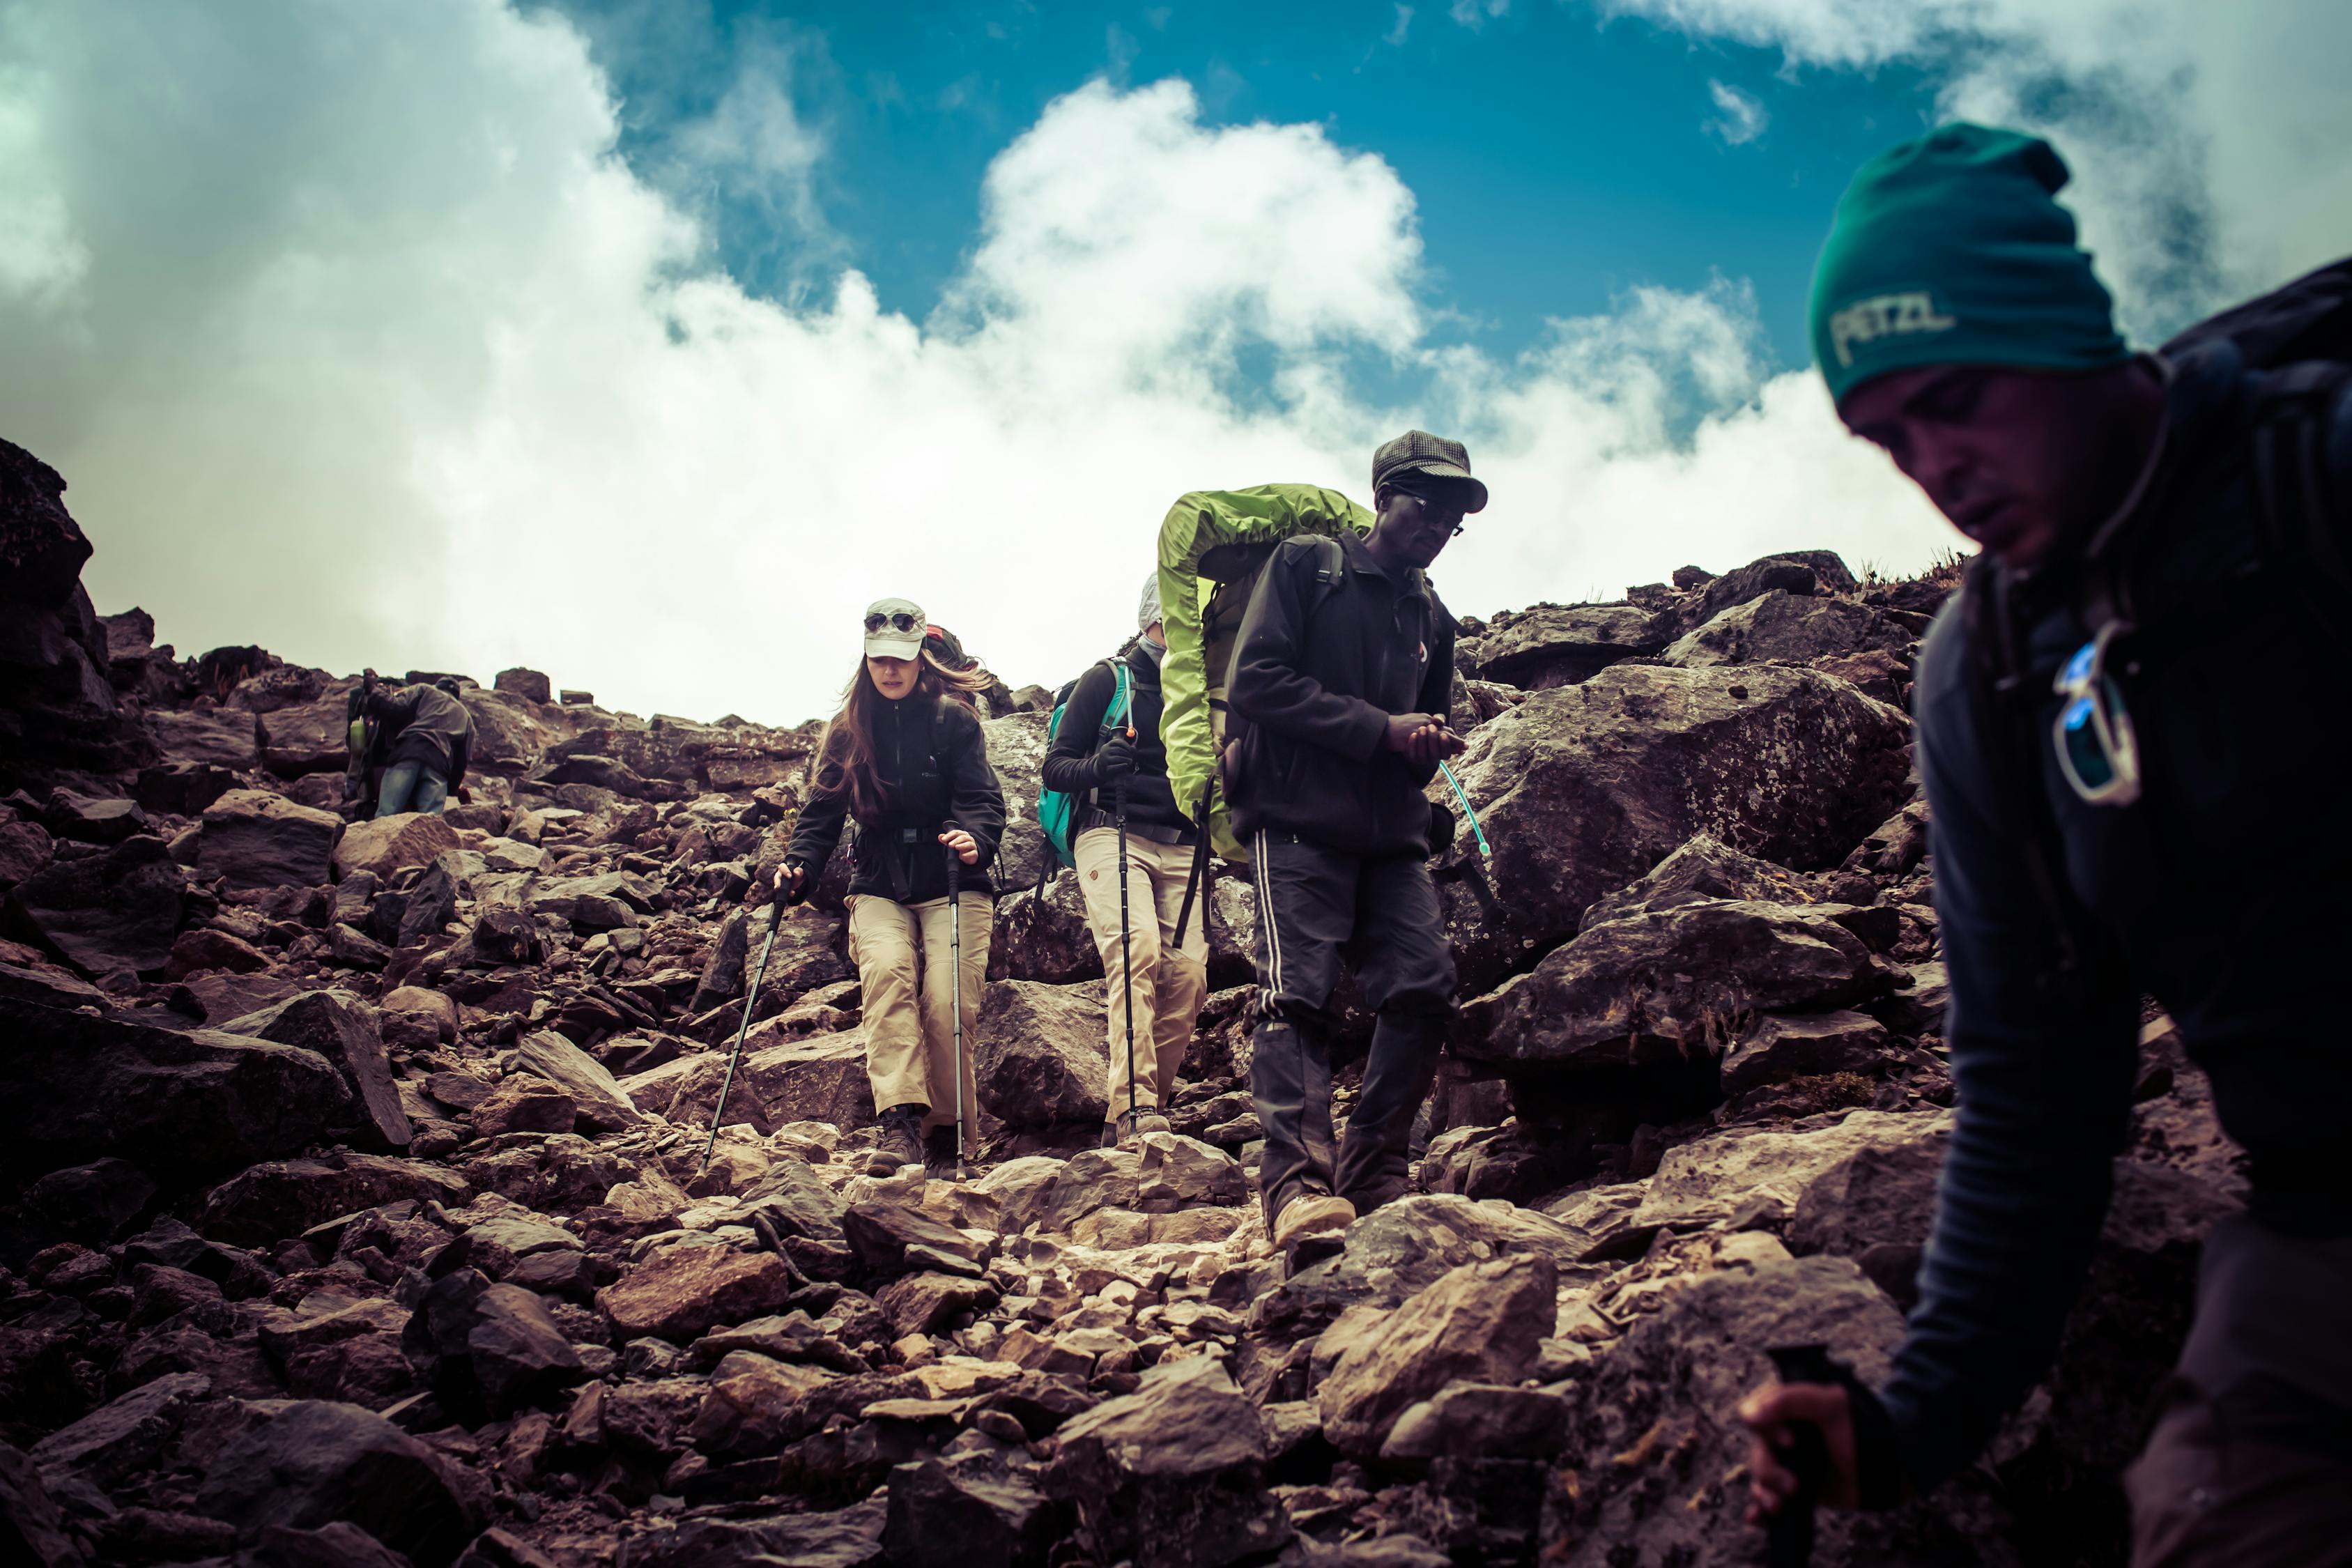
point(2207, 141)
point(1743, 114)
point(1476, 14)
point(355, 336)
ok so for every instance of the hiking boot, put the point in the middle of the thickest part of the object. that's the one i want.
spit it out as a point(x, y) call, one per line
point(1311, 1213)
point(939, 1161)
point(901, 1143)
point(1127, 1129)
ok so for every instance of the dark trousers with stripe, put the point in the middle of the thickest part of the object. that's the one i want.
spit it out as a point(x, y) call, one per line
point(1316, 910)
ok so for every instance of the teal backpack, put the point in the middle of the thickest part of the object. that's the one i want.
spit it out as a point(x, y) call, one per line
point(1057, 810)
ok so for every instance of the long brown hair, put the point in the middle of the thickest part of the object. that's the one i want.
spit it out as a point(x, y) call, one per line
point(845, 755)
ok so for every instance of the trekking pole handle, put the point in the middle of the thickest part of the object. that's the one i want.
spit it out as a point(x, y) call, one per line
point(1485, 849)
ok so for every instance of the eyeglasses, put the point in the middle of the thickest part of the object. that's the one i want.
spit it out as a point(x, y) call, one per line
point(899, 622)
point(2097, 747)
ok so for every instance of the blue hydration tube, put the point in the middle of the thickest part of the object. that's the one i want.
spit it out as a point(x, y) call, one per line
point(1485, 848)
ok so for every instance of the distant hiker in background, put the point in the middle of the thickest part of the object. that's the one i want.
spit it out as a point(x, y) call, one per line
point(425, 738)
point(906, 760)
point(2131, 722)
point(1340, 689)
point(1109, 737)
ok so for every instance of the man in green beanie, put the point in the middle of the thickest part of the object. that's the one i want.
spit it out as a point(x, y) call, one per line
point(2124, 722)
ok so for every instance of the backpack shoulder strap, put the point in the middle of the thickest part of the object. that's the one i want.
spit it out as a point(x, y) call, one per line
point(2290, 469)
point(1122, 698)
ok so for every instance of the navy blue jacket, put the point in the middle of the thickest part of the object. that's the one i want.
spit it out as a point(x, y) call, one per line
point(2221, 891)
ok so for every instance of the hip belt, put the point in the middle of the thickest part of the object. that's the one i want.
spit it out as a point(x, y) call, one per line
point(1159, 833)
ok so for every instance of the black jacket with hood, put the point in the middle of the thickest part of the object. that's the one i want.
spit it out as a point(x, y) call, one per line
point(931, 758)
point(1319, 670)
point(1069, 760)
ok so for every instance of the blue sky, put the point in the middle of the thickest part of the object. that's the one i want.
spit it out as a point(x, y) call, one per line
point(1558, 158)
point(645, 343)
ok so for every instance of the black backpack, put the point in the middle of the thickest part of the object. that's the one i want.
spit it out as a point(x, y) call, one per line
point(2303, 333)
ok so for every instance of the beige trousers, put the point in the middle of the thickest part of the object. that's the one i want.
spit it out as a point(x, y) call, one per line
point(1169, 985)
point(901, 954)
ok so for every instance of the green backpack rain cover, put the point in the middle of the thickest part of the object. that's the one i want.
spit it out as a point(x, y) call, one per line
point(1211, 546)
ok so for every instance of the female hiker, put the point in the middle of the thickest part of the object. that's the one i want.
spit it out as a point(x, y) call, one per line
point(905, 758)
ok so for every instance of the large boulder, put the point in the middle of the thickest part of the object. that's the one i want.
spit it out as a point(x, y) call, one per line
point(1654, 1470)
point(1701, 869)
point(309, 737)
point(252, 838)
point(1707, 1180)
point(1482, 1323)
point(344, 1029)
point(1561, 645)
point(1670, 989)
point(57, 704)
point(821, 1079)
point(314, 1463)
point(1039, 1053)
point(105, 912)
point(1801, 573)
point(685, 1291)
point(1584, 789)
point(194, 1104)
point(387, 843)
point(1786, 628)
point(225, 737)
point(1171, 1475)
point(1044, 940)
point(1016, 749)
point(278, 1198)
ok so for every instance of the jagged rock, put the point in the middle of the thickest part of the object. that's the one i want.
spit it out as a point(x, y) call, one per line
point(928, 1303)
point(488, 1348)
point(117, 1440)
point(1561, 645)
point(847, 1537)
point(205, 948)
point(33, 1530)
point(1178, 1174)
point(49, 986)
point(1170, 1476)
point(315, 1463)
point(501, 934)
point(1779, 1048)
point(93, 819)
point(1404, 1247)
point(821, 1079)
point(1038, 1054)
point(308, 737)
point(286, 1197)
point(1044, 940)
point(92, 1203)
point(339, 1027)
point(252, 838)
point(1654, 1454)
point(103, 914)
point(338, 1544)
point(973, 1511)
point(351, 1354)
point(350, 948)
point(1917, 1008)
point(25, 848)
point(1782, 626)
point(1090, 1179)
point(685, 1291)
point(1671, 986)
point(1484, 1420)
point(183, 789)
point(1705, 1180)
point(756, 1405)
point(191, 1103)
point(1585, 788)
point(523, 1104)
point(1702, 868)
point(225, 738)
point(602, 1106)
point(1801, 572)
point(1479, 1323)
point(387, 843)
point(526, 684)
point(891, 1240)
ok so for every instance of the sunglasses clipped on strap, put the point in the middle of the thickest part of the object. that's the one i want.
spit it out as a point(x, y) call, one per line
point(2097, 748)
point(900, 622)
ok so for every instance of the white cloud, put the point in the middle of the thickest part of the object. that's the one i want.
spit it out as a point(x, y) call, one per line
point(1744, 116)
point(2208, 142)
point(1476, 14)
point(368, 347)
point(1395, 36)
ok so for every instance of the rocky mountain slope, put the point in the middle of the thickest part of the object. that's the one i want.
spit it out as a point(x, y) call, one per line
point(354, 1210)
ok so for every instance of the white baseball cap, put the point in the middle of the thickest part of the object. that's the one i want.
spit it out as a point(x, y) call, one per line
point(895, 628)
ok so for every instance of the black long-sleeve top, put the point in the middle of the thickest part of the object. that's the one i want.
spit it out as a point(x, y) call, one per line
point(1319, 670)
point(931, 757)
point(2218, 891)
point(1069, 760)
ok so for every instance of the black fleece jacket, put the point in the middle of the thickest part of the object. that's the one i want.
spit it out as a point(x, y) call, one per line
point(931, 756)
point(1317, 673)
point(1069, 760)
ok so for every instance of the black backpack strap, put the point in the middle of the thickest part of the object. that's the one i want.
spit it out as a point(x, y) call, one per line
point(2008, 724)
point(2297, 510)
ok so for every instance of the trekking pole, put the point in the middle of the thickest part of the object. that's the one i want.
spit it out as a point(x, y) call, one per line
point(786, 896)
point(1195, 880)
point(1788, 1534)
point(1126, 973)
point(955, 968)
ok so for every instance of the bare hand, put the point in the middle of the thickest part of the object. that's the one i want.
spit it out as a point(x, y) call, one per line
point(1423, 738)
point(1770, 1412)
point(966, 847)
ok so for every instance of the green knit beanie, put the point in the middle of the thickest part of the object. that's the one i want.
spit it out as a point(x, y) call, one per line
point(1951, 250)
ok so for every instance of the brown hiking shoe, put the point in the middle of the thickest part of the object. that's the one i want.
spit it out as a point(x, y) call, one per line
point(901, 1142)
point(1311, 1213)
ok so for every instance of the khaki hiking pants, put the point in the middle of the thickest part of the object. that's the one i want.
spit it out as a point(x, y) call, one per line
point(901, 953)
point(1169, 985)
